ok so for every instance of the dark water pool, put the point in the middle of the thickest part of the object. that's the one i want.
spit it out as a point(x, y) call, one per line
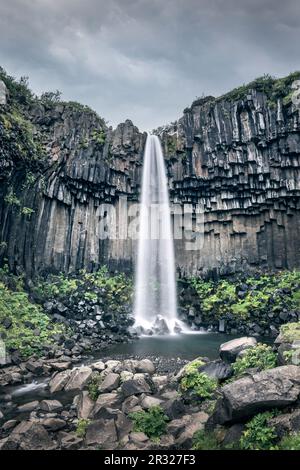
point(184, 346)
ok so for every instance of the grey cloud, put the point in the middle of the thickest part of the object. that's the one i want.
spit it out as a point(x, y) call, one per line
point(143, 59)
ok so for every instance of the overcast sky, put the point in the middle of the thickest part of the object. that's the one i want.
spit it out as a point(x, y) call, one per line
point(147, 59)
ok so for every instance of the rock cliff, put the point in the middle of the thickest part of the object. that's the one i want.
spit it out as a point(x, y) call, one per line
point(236, 157)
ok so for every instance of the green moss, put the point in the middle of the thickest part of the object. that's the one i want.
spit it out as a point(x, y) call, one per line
point(152, 422)
point(27, 318)
point(261, 356)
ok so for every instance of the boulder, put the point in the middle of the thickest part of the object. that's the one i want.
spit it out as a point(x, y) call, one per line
point(102, 433)
point(79, 378)
point(99, 366)
point(273, 388)
point(145, 366)
point(53, 424)
point(59, 380)
point(110, 382)
point(31, 436)
point(28, 407)
point(229, 350)
point(138, 437)
point(185, 438)
point(106, 400)
point(286, 423)
point(70, 441)
point(129, 404)
point(148, 401)
point(173, 408)
point(135, 386)
point(160, 326)
point(218, 370)
point(36, 367)
point(84, 405)
point(50, 405)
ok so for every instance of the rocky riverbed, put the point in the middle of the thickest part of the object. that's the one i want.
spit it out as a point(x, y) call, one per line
point(109, 403)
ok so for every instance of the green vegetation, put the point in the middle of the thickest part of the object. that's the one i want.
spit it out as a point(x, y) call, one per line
point(261, 294)
point(152, 422)
point(198, 384)
point(258, 434)
point(93, 386)
point(82, 427)
point(203, 440)
point(290, 332)
point(31, 329)
point(112, 292)
point(290, 442)
point(261, 357)
point(273, 88)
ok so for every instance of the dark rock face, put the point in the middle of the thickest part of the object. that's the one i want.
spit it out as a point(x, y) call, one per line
point(237, 159)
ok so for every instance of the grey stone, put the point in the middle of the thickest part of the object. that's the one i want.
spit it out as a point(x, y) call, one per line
point(230, 349)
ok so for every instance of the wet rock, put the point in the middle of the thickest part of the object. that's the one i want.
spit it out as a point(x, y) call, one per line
point(160, 326)
point(229, 350)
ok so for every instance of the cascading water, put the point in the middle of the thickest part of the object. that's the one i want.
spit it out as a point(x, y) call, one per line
point(155, 286)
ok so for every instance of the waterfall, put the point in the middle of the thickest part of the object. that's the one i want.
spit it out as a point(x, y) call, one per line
point(155, 285)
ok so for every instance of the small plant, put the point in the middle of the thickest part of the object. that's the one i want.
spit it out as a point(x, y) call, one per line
point(82, 427)
point(11, 199)
point(198, 384)
point(259, 435)
point(93, 386)
point(260, 356)
point(27, 211)
point(152, 422)
point(203, 440)
point(290, 442)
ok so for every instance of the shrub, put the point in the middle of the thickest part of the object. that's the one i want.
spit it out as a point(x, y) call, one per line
point(205, 441)
point(290, 442)
point(152, 422)
point(93, 386)
point(82, 427)
point(198, 384)
point(258, 434)
point(260, 356)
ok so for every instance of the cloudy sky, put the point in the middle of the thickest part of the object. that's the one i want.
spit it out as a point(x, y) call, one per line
point(147, 59)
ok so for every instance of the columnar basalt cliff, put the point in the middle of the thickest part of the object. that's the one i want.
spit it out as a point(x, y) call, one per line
point(237, 157)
